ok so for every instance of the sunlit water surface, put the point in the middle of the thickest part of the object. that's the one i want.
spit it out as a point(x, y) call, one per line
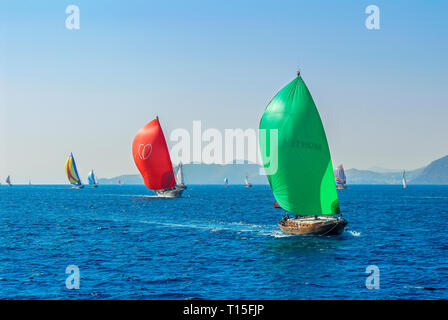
point(218, 243)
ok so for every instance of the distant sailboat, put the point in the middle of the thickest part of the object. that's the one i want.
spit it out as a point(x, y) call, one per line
point(72, 172)
point(403, 180)
point(303, 182)
point(119, 181)
point(180, 177)
point(339, 175)
point(247, 184)
point(8, 181)
point(152, 158)
point(29, 182)
point(92, 179)
point(226, 182)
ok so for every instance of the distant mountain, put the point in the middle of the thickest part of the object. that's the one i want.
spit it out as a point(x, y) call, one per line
point(383, 170)
point(205, 174)
point(435, 173)
point(355, 176)
point(124, 179)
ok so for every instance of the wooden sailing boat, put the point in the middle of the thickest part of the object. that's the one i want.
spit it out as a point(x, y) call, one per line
point(403, 180)
point(72, 173)
point(303, 156)
point(339, 175)
point(153, 160)
point(92, 179)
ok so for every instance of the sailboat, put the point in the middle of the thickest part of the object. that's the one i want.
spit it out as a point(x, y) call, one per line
point(92, 179)
point(339, 175)
point(72, 172)
point(180, 177)
point(303, 182)
point(153, 160)
point(403, 180)
point(226, 182)
point(247, 184)
point(8, 181)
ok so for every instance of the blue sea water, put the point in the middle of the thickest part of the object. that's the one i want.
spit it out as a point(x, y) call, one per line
point(218, 243)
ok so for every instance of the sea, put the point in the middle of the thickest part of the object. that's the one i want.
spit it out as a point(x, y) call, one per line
point(122, 242)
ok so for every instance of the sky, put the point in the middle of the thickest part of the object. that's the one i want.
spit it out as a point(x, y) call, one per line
point(382, 94)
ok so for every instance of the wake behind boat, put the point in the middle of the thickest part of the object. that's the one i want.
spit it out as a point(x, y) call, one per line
point(303, 155)
point(151, 156)
point(72, 173)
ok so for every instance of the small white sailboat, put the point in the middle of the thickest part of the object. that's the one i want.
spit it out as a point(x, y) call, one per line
point(180, 177)
point(226, 182)
point(247, 184)
point(8, 181)
point(92, 179)
point(403, 180)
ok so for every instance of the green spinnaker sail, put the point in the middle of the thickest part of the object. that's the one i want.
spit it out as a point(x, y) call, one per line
point(303, 183)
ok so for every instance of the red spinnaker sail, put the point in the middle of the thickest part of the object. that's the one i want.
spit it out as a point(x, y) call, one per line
point(152, 158)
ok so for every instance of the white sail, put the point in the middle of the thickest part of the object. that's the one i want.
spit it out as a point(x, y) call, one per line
point(226, 181)
point(179, 175)
point(246, 181)
point(403, 180)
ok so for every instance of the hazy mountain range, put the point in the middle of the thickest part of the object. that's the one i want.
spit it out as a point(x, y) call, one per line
point(434, 173)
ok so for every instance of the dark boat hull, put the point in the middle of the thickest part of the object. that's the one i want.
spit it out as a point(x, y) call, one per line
point(321, 226)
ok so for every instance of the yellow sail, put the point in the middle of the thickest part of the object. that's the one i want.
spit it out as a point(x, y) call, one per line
point(71, 172)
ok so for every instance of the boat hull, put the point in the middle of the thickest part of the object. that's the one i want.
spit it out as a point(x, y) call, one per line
point(78, 187)
point(341, 186)
point(175, 192)
point(316, 226)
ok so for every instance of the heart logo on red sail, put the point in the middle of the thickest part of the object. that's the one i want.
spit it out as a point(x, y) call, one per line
point(144, 151)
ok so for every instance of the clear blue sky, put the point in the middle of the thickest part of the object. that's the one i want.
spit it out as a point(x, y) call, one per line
point(382, 94)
